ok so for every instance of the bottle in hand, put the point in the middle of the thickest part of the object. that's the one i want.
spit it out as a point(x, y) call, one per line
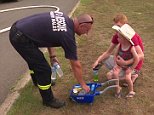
point(58, 69)
point(95, 75)
point(95, 72)
point(53, 76)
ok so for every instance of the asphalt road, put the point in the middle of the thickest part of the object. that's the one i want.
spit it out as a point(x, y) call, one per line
point(12, 66)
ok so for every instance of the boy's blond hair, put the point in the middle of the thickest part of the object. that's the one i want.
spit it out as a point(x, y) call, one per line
point(120, 18)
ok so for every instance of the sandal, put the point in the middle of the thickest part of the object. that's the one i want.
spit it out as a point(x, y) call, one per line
point(130, 94)
point(118, 95)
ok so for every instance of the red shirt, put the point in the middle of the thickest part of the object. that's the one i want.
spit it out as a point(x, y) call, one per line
point(137, 40)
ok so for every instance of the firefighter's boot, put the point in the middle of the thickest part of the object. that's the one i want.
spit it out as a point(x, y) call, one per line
point(49, 100)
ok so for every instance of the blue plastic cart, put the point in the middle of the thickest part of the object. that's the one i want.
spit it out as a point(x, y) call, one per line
point(83, 97)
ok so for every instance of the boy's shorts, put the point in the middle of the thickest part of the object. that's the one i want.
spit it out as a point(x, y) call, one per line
point(109, 63)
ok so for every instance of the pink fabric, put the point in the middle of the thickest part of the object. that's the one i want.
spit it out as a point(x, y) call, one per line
point(126, 55)
point(137, 40)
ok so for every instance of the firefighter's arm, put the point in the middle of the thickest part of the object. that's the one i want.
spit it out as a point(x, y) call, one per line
point(52, 55)
point(77, 70)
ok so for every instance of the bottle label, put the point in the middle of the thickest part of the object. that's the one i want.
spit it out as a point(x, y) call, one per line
point(95, 74)
point(92, 87)
point(53, 75)
point(58, 69)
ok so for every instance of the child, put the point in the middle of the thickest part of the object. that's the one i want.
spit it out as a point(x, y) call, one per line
point(126, 50)
point(107, 58)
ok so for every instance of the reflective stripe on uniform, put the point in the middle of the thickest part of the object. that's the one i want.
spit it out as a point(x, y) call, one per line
point(44, 87)
point(31, 71)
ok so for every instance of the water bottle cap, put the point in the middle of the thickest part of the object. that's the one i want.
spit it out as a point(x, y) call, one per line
point(98, 66)
point(95, 71)
point(58, 66)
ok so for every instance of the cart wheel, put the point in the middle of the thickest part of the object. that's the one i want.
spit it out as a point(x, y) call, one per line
point(70, 98)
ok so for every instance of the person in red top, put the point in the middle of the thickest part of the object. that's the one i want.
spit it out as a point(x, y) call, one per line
point(126, 51)
point(106, 57)
point(137, 42)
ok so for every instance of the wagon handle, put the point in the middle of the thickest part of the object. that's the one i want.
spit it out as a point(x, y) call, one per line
point(107, 88)
point(109, 81)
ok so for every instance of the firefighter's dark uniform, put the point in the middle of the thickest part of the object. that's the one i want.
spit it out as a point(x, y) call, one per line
point(52, 29)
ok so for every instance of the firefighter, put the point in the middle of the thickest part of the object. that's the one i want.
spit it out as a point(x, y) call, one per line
point(50, 29)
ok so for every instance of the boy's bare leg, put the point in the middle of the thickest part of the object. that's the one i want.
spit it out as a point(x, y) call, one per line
point(129, 82)
point(116, 71)
point(109, 75)
point(134, 77)
point(130, 86)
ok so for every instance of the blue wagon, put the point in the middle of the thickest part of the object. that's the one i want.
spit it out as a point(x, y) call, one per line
point(80, 96)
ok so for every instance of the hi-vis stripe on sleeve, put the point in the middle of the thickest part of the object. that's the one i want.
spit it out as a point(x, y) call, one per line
point(44, 87)
point(31, 71)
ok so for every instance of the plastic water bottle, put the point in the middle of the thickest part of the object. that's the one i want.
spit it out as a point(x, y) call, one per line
point(95, 72)
point(53, 75)
point(95, 75)
point(92, 88)
point(58, 69)
point(98, 66)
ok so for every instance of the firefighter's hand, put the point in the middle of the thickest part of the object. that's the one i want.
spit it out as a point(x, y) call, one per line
point(86, 88)
point(53, 59)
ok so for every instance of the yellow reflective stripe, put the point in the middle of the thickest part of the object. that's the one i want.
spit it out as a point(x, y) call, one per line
point(31, 71)
point(44, 87)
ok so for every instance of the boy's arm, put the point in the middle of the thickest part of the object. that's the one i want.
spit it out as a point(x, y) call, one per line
point(135, 57)
point(116, 57)
point(139, 53)
point(77, 70)
point(105, 54)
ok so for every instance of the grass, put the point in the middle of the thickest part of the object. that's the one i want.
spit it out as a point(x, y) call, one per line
point(140, 14)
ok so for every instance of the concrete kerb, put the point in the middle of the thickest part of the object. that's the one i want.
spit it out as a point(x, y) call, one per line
point(11, 98)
